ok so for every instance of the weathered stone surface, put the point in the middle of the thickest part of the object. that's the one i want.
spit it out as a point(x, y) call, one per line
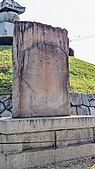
point(41, 140)
point(29, 141)
point(91, 96)
point(4, 97)
point(2, 161)
point(11, 148)
point(9, 17)
point(0, 144)
point(41, 74)
point(62, 138)
point(6, 113)
point(5, 105)
point(72, 136)
point(11, 5)
point(82, 104)
point(1, 107)
point(30, 125)
point(85, 99)
point(73, 111)
point(92, 103)
point(83, 110)
point(40, 159)
point(8, 104)
point(9, 13)
point(92, 110)
point(75, 99)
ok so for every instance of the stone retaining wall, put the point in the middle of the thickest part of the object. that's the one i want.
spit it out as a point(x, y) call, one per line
point(5, 105)
point(80, 104)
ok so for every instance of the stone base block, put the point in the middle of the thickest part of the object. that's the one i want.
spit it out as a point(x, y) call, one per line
point(30, 159)
point(33, 142)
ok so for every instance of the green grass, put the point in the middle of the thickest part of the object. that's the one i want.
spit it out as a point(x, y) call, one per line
point(5, 69)
point(82, 74)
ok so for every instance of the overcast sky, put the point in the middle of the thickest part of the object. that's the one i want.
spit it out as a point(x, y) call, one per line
point(77, 16)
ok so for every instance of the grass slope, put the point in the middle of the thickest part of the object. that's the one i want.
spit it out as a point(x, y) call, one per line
point(82, 74)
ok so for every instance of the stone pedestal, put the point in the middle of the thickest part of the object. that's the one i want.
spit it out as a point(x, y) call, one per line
point(41, 73)
point(36, 142)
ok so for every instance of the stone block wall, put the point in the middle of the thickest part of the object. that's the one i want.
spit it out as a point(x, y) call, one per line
point(5, 105)
point(80, 104)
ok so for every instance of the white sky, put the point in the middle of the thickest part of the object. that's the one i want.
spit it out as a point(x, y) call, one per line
point(77, 16)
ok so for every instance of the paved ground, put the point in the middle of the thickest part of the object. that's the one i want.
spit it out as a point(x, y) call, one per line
point(88, 163)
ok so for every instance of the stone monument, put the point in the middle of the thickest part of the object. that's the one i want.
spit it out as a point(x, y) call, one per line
point(40, 88)
point(9, 13)
point(41, 73)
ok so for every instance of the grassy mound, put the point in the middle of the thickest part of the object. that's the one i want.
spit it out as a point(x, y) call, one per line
point(82, 74)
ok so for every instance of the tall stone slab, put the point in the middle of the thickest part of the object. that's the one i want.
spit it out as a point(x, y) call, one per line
point(41, 74)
